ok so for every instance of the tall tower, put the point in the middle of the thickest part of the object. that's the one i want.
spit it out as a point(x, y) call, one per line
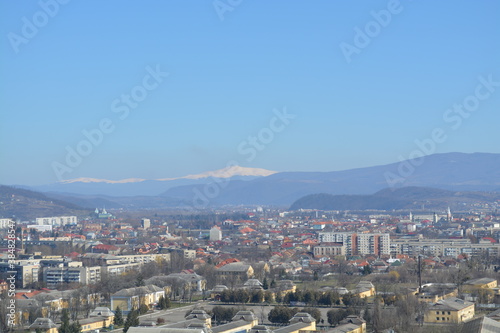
point(449, 216)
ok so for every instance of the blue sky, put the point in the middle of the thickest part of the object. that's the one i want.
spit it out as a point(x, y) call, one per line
point(226, 76)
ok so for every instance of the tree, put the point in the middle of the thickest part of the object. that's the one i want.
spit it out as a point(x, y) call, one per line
point(222, 313)
point(281, 314)
point(143, 308)
point(118, 321)
point(265, 284)
point(314, 312)
point(376, 318)
point(65, 326)
point(139, 282)
point(335, 316)
point(164, 303)
point(132, 320)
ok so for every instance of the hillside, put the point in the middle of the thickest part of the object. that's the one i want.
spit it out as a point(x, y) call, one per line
point(27, 205)
point(402, 198)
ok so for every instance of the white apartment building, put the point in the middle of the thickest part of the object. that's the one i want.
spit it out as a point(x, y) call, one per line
point(215, 234)
point(443, 247)
point(56, 220)
point(373, 243)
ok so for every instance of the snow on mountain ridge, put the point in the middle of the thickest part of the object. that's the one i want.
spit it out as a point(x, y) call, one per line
point(221, 173)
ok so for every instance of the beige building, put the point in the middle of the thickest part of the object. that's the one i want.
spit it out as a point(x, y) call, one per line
point(449, 311)
point(329, 250)
point(132, 298)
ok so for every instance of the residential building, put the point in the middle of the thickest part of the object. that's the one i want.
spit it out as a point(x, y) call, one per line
point(26, 271)
point(329, 250)
point(215, 234)
point(236, 269)
point(132, 298)
point(359, 243)
point(449, 311)
point(145, 223)
point(443, 247)
point(56, 220)
point(71, 272)
point(481, 325)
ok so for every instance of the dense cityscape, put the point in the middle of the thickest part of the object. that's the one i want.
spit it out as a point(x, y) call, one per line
point(232, 269)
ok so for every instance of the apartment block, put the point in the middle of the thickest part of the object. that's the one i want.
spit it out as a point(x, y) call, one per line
point(71, 272)
point(56, 220)
point(372, 243)
point(443, 247)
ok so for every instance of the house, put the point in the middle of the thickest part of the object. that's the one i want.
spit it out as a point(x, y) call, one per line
point(301, 321)
point(347, 328)
point(132, 298)
point(236, 269)
point(449, 311)
point(433, 292)
point(43, 324)
point(481, 325)
point(480, 283)
point(193, 281)
point(94, 324)
point(364, 289)
point(352, 321)
point(243, 321)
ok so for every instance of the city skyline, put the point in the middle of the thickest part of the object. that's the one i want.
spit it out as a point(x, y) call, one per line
point(163, 89)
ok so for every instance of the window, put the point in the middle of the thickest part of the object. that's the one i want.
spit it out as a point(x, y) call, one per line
point(437, 318)
point(437, 312)
point(449, 312)
point(442, 318)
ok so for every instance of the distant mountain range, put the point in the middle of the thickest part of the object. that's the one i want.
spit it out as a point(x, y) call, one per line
point(450, 171)
point(247, 186)
point(145, 187)
point(400, 198)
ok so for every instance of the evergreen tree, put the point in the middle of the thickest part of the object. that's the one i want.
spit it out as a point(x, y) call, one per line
point(164, 303)
point(265, 285)
point(118, 317)
point(143, 309)
point(273, 284)
point(139, 282)
point(65, 326)
point(132, 320)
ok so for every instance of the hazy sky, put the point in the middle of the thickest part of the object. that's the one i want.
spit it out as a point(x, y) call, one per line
point(320, 86)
